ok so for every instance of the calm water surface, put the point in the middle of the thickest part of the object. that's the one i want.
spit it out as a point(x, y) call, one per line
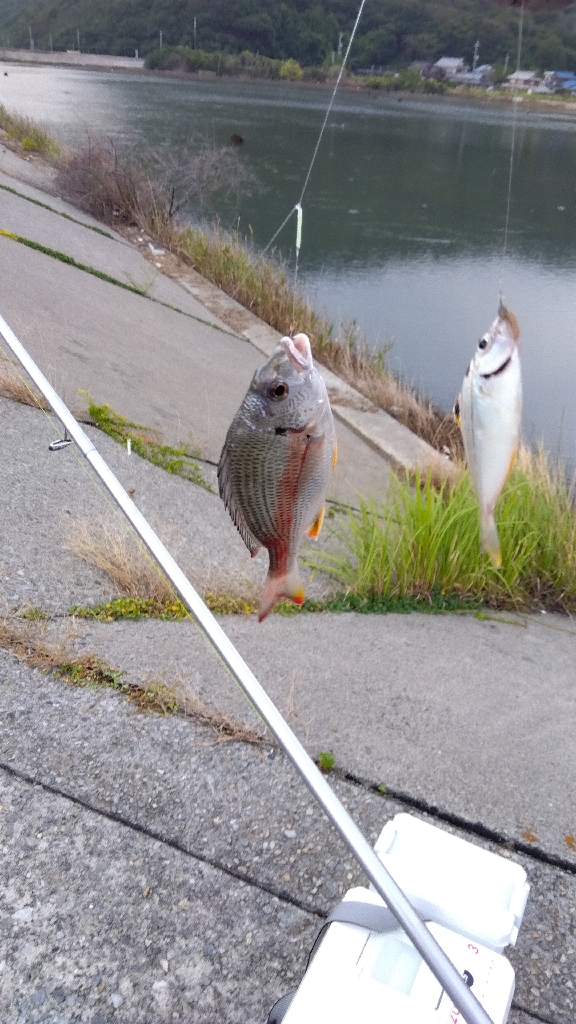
point(403, 217)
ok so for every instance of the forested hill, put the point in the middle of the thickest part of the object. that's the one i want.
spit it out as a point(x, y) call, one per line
point(392, 32)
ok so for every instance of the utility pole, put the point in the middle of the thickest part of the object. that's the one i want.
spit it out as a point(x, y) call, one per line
point(475, 61)
point(195, 47)
point(51, 50)
point(31, 40)
point(78, 39)
point(340, 38)
point(506, 62)
point(160, 38)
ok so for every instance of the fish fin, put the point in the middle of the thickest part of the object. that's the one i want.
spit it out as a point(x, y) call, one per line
point(287, 585)
point(226, 493)
point(314, 531)
point(456, 412)
point(335, 456)
point(512, 461)
point(489, 539)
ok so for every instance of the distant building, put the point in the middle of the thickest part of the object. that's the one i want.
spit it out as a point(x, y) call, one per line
point(522, 80)
point(451, 66)
point(480, 77)
point(561, 80)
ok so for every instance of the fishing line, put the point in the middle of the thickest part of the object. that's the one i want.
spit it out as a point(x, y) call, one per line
point(297, 208)
point(512, 147)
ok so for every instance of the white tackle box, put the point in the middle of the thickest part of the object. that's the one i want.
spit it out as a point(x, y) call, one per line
point(472, 902)
point(455, 883)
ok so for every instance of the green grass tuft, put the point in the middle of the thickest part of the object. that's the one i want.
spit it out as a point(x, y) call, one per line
point(35, 614)
point(31, 136)
point(90, 671)
point(423, 546)
point(326, 760)
point(179, 461)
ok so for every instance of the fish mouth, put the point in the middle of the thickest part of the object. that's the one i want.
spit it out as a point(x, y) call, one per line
point(487, 376)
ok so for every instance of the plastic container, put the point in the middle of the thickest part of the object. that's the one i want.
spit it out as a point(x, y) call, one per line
point(454, 883)
point(367, 978)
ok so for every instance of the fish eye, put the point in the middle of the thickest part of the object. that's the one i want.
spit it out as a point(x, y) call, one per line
point(278, 390)
point(483, 342)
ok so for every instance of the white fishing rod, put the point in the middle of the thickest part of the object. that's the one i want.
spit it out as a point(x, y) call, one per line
point(438, 962)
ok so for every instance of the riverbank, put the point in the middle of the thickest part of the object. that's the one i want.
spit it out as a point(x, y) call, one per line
point(72, 58)
point(457, 96)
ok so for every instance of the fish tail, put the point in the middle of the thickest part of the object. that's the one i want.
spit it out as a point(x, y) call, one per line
point(489, 539)
point(287, 584)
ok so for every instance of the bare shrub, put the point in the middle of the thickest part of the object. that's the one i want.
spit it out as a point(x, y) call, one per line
point(112, 189)
point(189, 177)
point(123, 189)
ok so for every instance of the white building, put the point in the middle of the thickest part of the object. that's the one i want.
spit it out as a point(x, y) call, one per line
point(522, 80)
point(451, 66)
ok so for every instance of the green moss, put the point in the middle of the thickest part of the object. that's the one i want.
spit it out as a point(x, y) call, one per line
point(35, 614)
point(180, 461)
point(90, 671)
point(169, 608)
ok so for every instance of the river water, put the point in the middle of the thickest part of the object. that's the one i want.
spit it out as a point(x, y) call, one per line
point(403, 216)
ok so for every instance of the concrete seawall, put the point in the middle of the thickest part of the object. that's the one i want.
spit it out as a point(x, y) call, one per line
point(72, 58)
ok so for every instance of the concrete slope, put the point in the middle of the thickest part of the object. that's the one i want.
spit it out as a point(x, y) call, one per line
point(173, 372)
point(110, 255)
point(155, 874)
point(474, 717)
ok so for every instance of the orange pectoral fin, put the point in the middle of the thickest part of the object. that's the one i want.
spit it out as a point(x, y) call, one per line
point(512, 461)
point(314, 532)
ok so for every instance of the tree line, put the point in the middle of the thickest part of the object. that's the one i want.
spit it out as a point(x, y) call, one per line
point(392, 33)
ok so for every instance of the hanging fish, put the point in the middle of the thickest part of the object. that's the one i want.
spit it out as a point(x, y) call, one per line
point(276, 464)
point(488, 413)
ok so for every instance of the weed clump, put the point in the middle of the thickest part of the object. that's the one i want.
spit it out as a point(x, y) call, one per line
point(179, 461)
point(30, 135)
point(424, 544)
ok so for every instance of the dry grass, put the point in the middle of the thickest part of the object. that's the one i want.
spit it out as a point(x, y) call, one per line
point(14, 387)
point(121, 558)
point(225, 728)
point(27, 644)
point(138, 577)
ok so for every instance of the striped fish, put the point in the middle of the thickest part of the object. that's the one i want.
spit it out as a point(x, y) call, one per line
point(488, 413)
point(276, 464)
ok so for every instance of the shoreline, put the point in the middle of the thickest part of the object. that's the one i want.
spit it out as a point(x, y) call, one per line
point(135, 65)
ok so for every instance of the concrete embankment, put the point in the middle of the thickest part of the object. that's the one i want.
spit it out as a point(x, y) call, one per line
point(72, 58)
point(155, 874)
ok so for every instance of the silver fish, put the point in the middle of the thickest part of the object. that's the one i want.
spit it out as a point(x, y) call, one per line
point(488, 413)
point(276, 464)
